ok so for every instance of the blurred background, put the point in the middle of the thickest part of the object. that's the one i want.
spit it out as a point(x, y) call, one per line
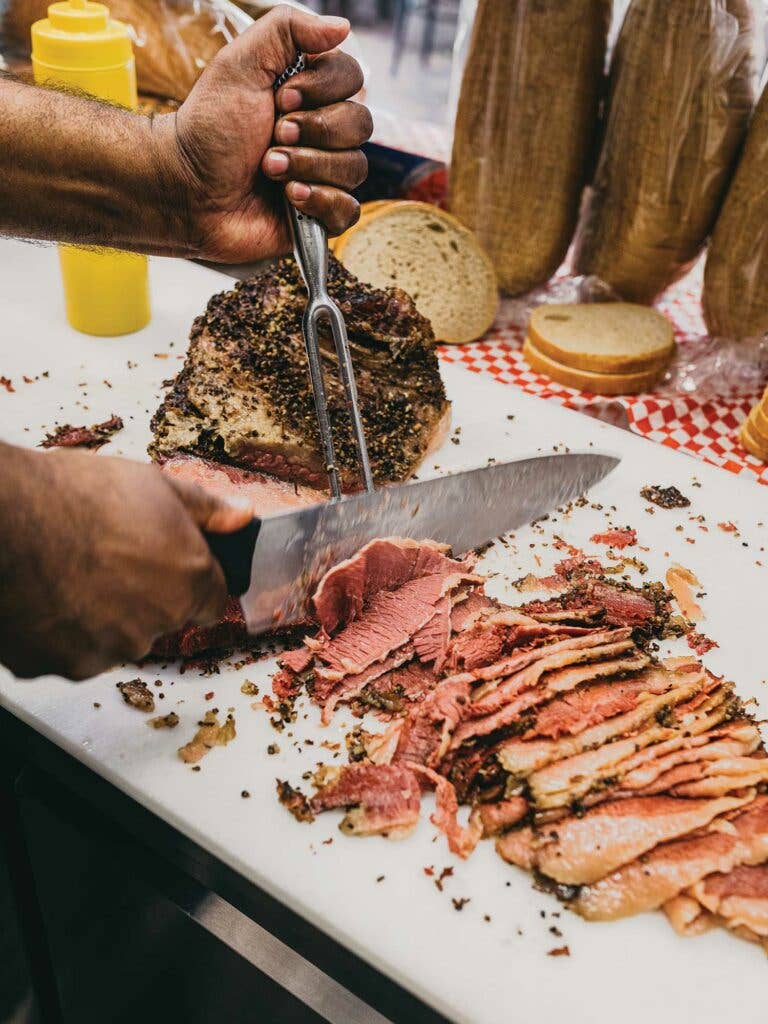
point(408, 47)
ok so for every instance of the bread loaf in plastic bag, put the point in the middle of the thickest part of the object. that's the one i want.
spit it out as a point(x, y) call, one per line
point(735, 296)
point(173, 39)
point(683, 81)
point(525, 128)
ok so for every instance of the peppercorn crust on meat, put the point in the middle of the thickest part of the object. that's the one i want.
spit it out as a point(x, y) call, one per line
point(243, 396)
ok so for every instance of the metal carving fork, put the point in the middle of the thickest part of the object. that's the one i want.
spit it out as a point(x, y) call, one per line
point(310, 247)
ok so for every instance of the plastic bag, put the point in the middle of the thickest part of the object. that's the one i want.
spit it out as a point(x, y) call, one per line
point(683, 81)
point(718, 368)
point(735, 297)
point(173, 39)
point(525, 126)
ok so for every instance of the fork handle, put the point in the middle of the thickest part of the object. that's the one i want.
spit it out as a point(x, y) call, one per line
point(310, 245)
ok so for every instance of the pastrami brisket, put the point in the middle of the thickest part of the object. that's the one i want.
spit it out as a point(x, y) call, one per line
point(736, 900)
point(499, 816)
point(378, 612)
point(382, 799)
point(462, 840)
point(581, 850)
point(266, 494)
point(625, 784)
point(385, 564)
point(243, 395)
point(228, 633)
point(660, 690)
point(669, 869)
point(646, 609)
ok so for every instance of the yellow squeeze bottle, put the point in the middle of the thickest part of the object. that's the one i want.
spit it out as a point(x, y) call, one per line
point(106, 292)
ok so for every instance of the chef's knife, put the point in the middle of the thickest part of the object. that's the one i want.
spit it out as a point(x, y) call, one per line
point(275, 562)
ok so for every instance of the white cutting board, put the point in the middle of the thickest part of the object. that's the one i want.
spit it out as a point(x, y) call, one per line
point(470, 969)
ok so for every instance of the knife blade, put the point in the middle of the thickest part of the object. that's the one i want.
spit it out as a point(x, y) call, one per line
point(275, 563)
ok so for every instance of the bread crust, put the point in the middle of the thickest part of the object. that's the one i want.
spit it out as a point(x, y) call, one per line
point(587, 380)
point(600, 362)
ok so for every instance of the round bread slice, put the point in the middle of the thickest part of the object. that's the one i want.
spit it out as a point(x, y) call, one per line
point(586, 380)
point(751, 442)
point(603, 337)
point(432, 257)
point(365, 210)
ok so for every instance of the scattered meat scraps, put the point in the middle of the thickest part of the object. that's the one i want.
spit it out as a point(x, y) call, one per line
point(294, 800)
point(137, 694)
point(665, 497)
point(83, 437)
point(7, 383)
point(728, 527)
point(681, 581)
point(699, 643)
point(211, 733)
point(620, 538)
point(169, 721)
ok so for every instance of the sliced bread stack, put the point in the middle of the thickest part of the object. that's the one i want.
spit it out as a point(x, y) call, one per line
point(612, 348)
point(754, 430)
point(432, 257)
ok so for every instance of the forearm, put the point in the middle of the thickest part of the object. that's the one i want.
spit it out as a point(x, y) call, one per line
point(73, 169)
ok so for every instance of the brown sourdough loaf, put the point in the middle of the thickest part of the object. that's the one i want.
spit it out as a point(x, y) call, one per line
point(682, 86)
point(524, 130)
point(736, 275)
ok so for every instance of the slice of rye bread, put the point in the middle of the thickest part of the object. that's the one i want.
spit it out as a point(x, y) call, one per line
point(433, 258)
point(752, 442)
point(366, 209)
point(586, 380)
point(603, 337)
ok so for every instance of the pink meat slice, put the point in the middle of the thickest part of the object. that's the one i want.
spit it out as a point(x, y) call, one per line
point(738, 900)
point(431, 641)
point(501, 815)
point(659, 876)
point(331, 694)
point(579, 851)
point(614, 605)
point(382, 565)
point(389, 621)
point(532, 667)
point(267, 494)
point(412, 681)
point(519, 660)
point(385, 799)
point(297, 661)
point(571, 713)
point(461, 841)
point(467, 612)
point(427, 730)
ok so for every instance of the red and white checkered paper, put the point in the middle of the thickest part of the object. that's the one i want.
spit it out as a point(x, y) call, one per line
point(709, 430)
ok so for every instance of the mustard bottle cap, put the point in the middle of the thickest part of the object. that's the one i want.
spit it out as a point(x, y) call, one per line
point(80, 34)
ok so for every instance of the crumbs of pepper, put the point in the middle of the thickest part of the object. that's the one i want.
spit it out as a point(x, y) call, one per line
point(445, 873)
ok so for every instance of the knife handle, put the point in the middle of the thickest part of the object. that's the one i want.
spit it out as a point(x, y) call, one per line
point(234, 553)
